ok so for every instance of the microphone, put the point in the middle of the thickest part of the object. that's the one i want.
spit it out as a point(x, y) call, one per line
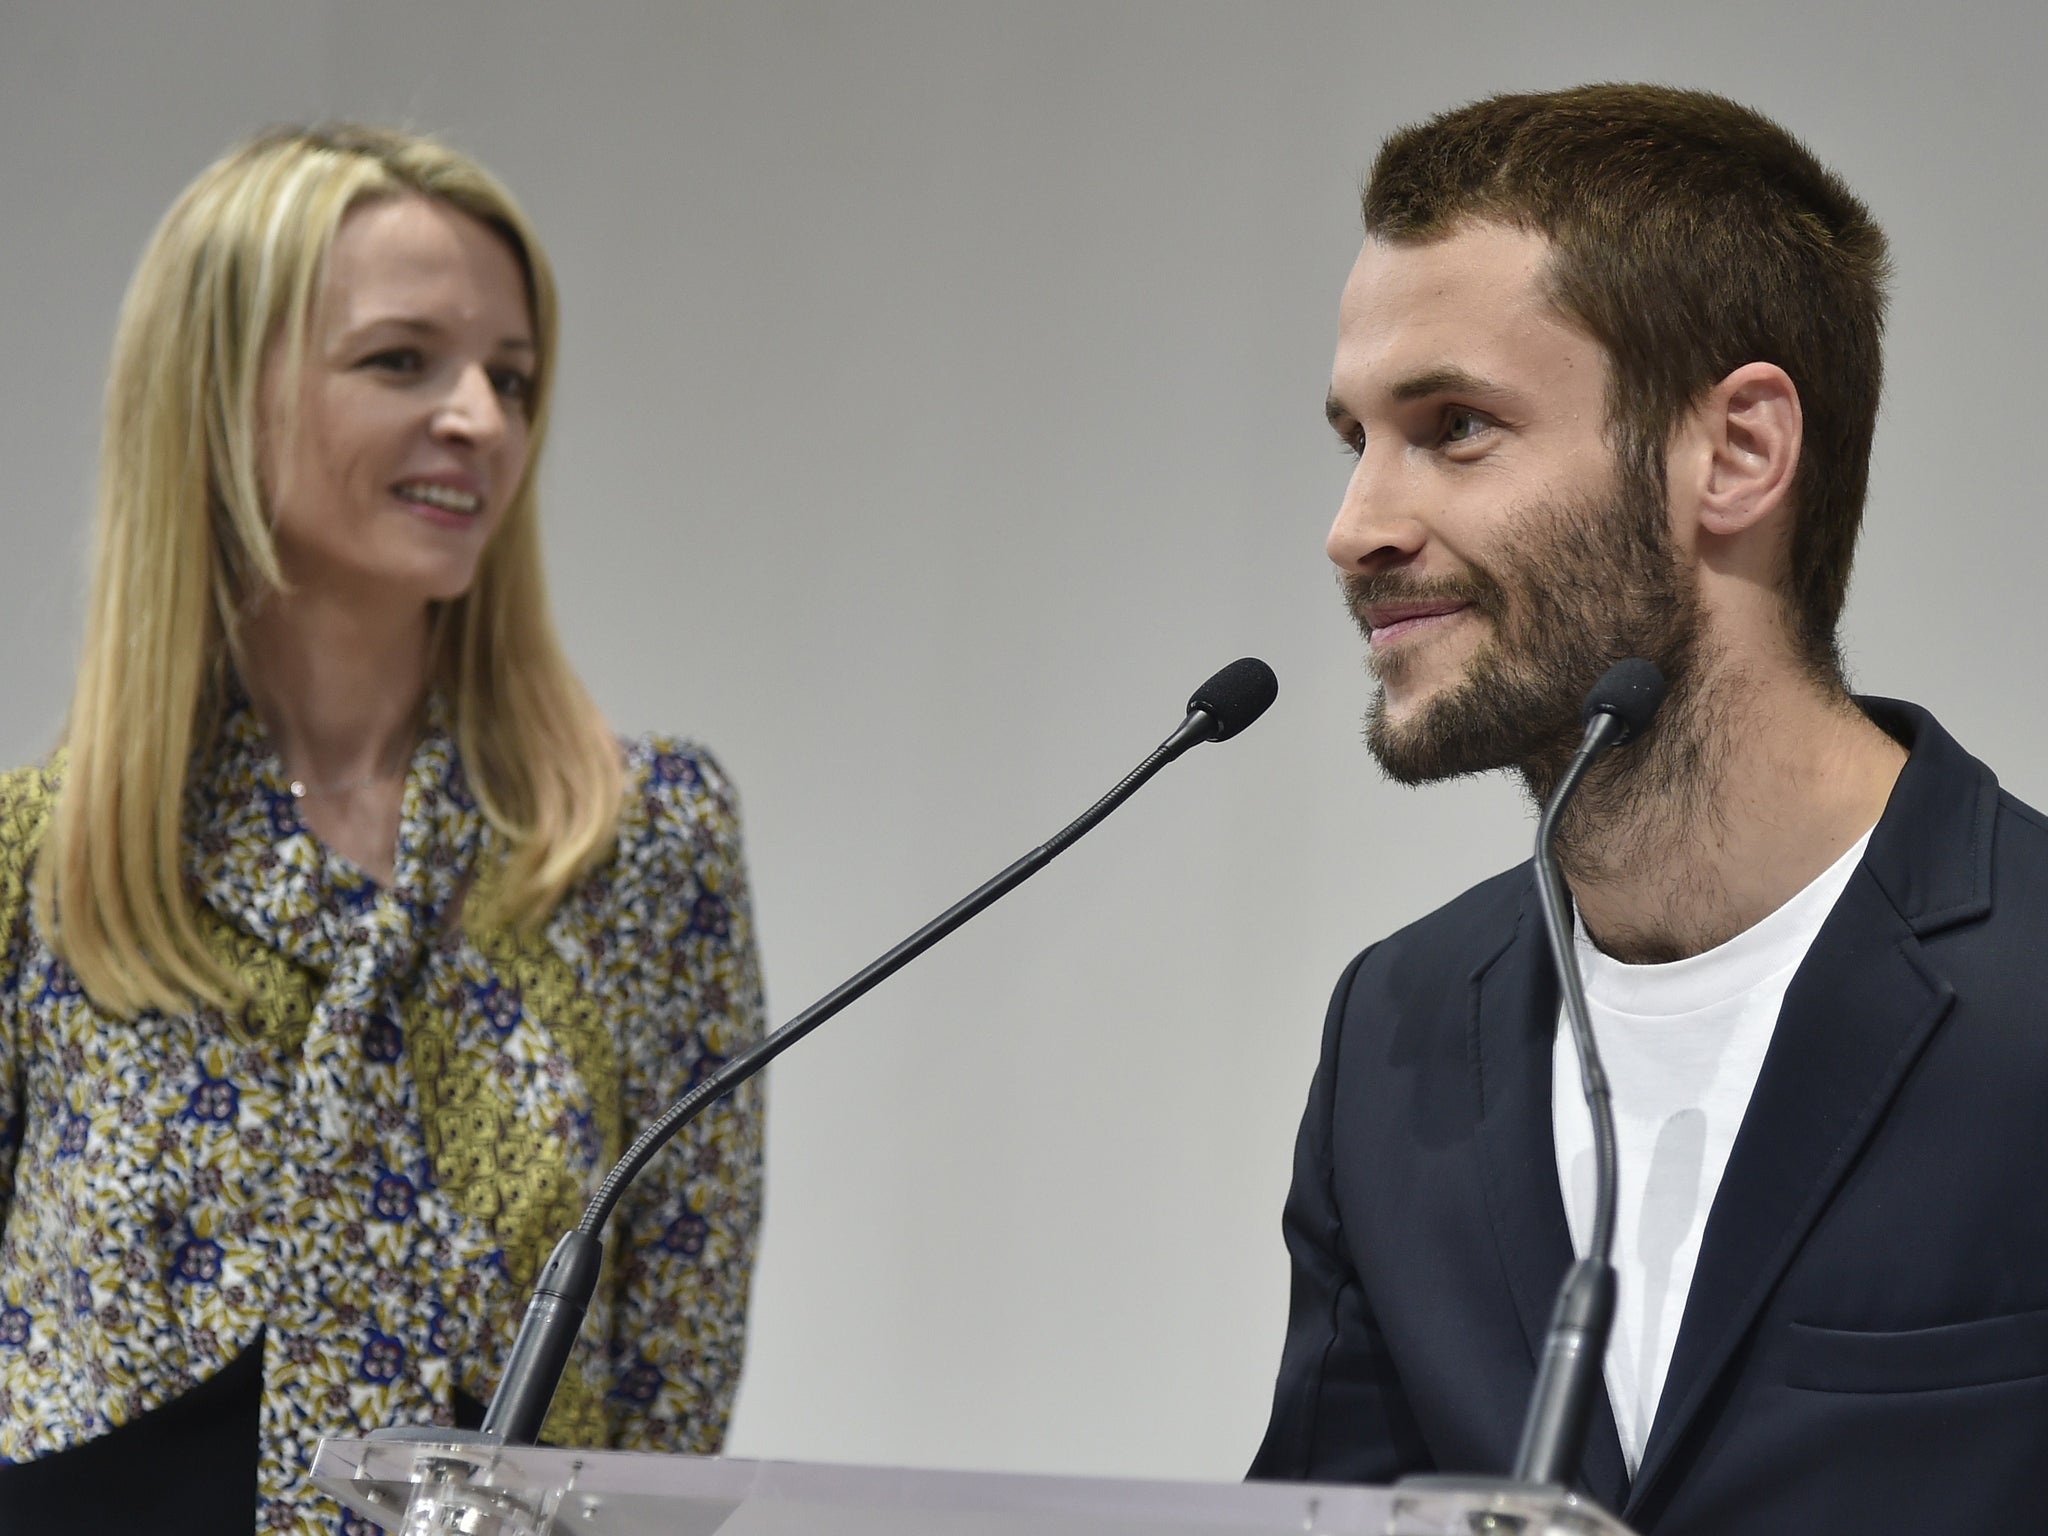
point(1234, 697)
point(1628, 694)
point(1219, 709)
point(1618, 710)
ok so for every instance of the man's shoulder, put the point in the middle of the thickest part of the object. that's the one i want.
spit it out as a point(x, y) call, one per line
point(2019, 858)
point(1449, 944)
point(1954, 846)
point(2021, 822)
point(1481, 917)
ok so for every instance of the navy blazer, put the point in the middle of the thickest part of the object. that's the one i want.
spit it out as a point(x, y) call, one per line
point(1865, 1345)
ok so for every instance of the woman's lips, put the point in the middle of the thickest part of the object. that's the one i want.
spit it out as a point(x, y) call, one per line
point(444, 504)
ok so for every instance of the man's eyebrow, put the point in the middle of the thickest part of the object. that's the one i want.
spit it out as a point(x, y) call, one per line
point(1446, 380)
point(1333, 410)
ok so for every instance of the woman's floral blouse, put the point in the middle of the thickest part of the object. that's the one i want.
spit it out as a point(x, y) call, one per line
point(366, 1163)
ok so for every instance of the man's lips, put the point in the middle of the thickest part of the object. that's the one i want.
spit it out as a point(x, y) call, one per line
point(1388, 622)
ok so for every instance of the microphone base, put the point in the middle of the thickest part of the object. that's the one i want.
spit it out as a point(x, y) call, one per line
point(457, 1486)
point(1439, 1505)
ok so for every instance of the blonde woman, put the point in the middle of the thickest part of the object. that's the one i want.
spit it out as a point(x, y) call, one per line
point(341, 946)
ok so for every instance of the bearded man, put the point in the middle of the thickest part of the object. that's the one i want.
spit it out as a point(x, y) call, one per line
point(1609, 366)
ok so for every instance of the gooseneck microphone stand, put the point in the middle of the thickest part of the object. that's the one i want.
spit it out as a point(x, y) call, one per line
point(1568, 1377)
point(1223, 706)
point(1568, 1372)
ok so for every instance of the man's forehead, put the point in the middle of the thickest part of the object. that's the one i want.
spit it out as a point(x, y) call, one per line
point(1452, 314)
point(1474, 254)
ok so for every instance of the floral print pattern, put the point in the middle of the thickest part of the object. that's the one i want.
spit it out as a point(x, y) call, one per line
point(367, 1162)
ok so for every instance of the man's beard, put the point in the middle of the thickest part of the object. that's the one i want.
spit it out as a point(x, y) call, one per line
point(1589, 583)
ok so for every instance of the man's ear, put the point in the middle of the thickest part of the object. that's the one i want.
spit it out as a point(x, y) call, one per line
point(1746, 436)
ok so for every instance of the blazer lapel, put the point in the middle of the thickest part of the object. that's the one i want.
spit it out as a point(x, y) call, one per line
point(1515, 1005)
point(1858, 1014)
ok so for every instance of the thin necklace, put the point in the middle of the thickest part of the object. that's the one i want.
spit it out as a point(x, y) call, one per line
point(394, 769)
point(301, 789)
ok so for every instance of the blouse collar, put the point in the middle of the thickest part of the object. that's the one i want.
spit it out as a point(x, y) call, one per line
point(254, 860)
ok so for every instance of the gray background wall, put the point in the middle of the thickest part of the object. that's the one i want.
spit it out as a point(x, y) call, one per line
point(941, 401)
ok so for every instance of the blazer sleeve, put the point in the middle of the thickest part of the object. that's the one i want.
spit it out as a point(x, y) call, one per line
point(687, 1227)
point(1339, 1412)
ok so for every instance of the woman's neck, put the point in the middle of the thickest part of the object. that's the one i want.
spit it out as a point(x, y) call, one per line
point(339, 690)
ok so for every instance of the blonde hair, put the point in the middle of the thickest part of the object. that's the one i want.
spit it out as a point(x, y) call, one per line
point(183, 544)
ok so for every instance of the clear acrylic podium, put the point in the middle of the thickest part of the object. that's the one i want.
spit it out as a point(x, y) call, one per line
point(421, 1485)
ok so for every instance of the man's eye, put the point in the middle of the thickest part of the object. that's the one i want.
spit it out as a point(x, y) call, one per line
point(1461, 426)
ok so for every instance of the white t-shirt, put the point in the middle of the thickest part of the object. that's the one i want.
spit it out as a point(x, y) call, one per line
point(1682, 1045)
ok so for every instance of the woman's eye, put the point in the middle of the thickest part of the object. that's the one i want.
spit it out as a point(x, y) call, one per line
point(513, 386)
point(395, 360)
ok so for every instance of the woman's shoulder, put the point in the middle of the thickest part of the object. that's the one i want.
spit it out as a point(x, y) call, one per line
point(22, 790)
point(678, 801)
point(26, 798)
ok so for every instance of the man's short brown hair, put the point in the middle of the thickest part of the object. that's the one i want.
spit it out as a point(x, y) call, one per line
point(1692, 236)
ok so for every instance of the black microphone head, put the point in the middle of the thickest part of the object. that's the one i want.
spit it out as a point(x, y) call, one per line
point(1630, 691)
point(1236, 696)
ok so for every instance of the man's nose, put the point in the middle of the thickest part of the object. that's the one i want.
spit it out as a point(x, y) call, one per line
point(1377, 526)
